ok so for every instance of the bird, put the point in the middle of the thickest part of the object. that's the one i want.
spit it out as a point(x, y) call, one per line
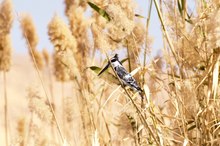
point(122, 73)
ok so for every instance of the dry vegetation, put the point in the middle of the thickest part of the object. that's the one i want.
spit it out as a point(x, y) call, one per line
point(181, 86)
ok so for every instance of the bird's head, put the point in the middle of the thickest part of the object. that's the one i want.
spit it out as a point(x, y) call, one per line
point(114, 58)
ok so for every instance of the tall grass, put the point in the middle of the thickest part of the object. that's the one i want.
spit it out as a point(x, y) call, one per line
point(181, 84)
point(6, 20)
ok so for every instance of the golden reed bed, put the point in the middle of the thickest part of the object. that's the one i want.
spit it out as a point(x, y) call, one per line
point(56, 98)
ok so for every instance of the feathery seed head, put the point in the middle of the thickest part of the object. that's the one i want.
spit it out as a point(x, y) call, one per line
point(213, 29)
point(30, 34)
point(65, 46)
point(101, 40)
point(69, 109)
point(78, 22)
point(63, 65)
point(29, 30)
point(137, 38)
point(75, 4)
point(120, 26)
point(39, 106)
point(127, 6)
point(6, 17)
point(60, 35)
point(5, 52)
point(39, 59)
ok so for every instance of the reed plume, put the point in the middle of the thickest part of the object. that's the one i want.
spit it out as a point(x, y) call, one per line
point(134, 43)
point(121, 30)
point(39, 106)
point(79, 27)
point(180, 85)
point(21, 131)
point(5, 52)
point(65, 47)
point(6, 20)
point(70, 3)
point(29, 33)
point(120, 25)
point(101, 40)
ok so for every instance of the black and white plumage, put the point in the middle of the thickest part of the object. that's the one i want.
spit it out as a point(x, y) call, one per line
point(125, 77)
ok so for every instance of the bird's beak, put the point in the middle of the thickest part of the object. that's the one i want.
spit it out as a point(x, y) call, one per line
point(106, 67)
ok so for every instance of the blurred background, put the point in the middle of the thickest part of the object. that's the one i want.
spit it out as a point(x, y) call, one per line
point(52, 51)
point(42, 12)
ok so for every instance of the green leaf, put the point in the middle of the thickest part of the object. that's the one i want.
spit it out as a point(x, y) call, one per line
point(204, 3)
point(183, 3)
point(102, 12)
point(189, 18)
point(180, 8)
point(105, 75)
point(95, 69)
point(123, 60)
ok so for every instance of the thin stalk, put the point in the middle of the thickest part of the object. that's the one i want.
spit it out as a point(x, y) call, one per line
point(182, 68)
point(129, 59)
point(51, 84)
point(165, 31)
point(146, 43)
point(27, 137)
point(84, 109)
point(6, 108)
point(50, 77)
point(103, 116)
point(43, 85)
point(147, 28)
point(63, 109)
point(86, 105)
point(141, 116)
point(107, 128)
point(79, 100)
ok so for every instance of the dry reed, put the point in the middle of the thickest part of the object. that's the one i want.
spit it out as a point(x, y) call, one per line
point(65, 47)
point(181, 83)
point(29, 32)
point(6, 20)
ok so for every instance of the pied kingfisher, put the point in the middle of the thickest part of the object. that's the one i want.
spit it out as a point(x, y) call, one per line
point(125, 77)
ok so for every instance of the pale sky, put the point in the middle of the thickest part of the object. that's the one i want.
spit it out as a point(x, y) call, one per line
point(42, 12)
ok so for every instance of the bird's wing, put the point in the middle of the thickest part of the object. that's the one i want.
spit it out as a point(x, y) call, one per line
point(125, 76)
point(120, 70)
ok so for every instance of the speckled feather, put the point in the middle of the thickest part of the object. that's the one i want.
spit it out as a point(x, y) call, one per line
point(125, 77)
